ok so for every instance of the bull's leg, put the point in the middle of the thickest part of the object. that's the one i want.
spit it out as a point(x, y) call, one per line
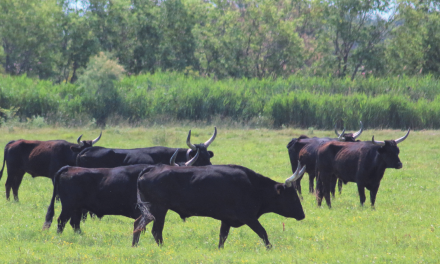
point(63, 218)
point(323, 187)
point(333, 185)
point(224, 231)
point(8, 190)
point(340, 186)
point(255, 225)
point(75, 220)
point(319, 190)
point(327, 195)
point(373, 193)
point(311, 182)
point(361, 190)
point(159, 214)
point(13, 182)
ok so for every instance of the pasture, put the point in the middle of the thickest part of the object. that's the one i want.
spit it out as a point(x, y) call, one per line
point(403, 228)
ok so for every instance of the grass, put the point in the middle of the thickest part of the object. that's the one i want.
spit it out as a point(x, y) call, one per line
point(404, 227)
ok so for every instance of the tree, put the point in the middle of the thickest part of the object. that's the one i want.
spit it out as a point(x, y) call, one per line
point(248, 39)
point(78, 43)
point(356, 30)
point(30, 33)
point(414, 46)
point(177, 45)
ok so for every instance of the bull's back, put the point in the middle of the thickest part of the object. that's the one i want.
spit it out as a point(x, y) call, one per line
point(35, 157)
point(200, 191)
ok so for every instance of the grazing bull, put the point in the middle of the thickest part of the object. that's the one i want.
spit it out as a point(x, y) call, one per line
point(98, 157)
point(103, 191)
point(363, 163)
point(39, 158)
point(305, 149)
point(233, 194)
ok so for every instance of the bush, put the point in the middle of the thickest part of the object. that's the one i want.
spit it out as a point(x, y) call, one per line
point(96, 84)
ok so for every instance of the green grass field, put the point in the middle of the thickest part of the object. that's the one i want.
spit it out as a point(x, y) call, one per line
point(404, 227)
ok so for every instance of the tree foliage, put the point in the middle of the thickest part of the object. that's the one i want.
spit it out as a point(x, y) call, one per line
point(240, 39)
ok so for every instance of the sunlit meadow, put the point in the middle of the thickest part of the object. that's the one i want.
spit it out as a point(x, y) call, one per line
point(403, 228)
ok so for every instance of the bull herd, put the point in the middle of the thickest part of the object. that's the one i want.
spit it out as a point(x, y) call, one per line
point(139, 183)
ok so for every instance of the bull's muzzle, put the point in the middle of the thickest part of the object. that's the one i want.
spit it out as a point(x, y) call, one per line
point(399, 165)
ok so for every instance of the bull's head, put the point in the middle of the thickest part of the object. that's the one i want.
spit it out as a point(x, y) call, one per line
point(286, 201)
point(349, 136)
point(188, 163)
point(205, 155)
point(390, 152)
point(84, 143)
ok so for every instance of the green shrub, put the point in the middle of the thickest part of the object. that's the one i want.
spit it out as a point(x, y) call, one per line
point(96, 84)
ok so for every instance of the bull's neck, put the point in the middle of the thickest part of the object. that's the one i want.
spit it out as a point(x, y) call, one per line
point(268, 194)
point(380, 166)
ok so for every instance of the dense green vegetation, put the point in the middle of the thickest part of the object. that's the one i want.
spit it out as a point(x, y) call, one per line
point(166, 97)
point(55, 39)
point(404, 227)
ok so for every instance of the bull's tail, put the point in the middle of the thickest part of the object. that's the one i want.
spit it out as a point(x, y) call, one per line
point(4, 157)
point(143, 220)
point(51, 208)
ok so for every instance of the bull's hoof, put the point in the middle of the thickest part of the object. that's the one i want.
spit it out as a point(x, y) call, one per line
point(46, 226)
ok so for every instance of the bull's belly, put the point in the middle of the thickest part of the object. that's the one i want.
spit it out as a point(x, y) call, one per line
point(100, 212)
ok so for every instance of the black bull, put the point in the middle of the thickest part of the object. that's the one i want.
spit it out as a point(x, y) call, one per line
point(103, 191)
point(233, 194)
point(98, 157)
point(305, 149)
point(363, 163)
point(38, 158)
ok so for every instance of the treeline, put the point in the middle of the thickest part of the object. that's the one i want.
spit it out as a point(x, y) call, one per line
point(398, 102)
point(55, 39)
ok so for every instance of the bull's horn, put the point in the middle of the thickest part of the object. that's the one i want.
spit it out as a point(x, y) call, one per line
point(402, 138)
point(80, 143)
point(340, 136)
point(207, 143)
point(193, 160)
point(379, 143)
point(173, 158)
point(97, 139)
point(298, 173)
point(188, 142)
point(357, 134)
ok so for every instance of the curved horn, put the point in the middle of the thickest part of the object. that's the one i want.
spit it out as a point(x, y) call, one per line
point(357, 134)
point(188, 142)
point(341, 136)
point(379, 143)
point(336, 131)
point(298, 173)
point(173, 158)
point(80, 143)
point(193, 160)
point(207, 143)
point(402, 138)
point(96, 139)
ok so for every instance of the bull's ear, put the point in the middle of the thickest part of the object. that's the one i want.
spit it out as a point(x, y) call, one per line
point(211, 154)
point(280, 188)
point(75, 148)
